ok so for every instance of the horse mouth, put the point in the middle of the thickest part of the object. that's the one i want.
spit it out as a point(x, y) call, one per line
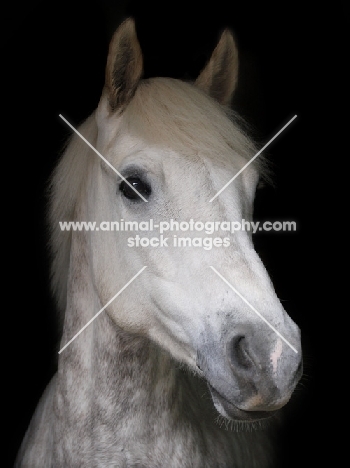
point(229, 410)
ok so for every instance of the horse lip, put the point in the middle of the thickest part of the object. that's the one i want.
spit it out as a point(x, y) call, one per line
point(236, 413)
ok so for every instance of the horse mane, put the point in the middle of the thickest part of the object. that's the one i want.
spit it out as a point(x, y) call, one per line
point(65, 187)
point(164, 112)
point(180, 116)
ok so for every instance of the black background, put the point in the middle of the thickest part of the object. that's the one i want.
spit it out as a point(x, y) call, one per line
point(293, 61)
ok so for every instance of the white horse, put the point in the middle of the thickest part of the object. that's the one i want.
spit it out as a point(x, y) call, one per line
point(178, 369)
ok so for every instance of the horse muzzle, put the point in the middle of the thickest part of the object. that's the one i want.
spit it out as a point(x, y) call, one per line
point(255, 375)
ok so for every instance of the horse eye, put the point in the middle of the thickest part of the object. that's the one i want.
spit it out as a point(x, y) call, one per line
point(141, 186)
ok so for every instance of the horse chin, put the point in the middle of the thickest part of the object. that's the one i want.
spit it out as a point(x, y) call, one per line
point(230, 411)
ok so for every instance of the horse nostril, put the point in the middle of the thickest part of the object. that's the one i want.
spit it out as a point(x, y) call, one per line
point(239, 355)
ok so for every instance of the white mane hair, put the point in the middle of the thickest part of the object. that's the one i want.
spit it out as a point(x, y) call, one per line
point(65, 188)
point(165, 112)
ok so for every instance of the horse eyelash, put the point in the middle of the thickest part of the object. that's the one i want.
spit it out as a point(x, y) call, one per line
point(261, 184)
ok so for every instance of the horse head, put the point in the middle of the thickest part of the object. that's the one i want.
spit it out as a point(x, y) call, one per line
point(177, 143)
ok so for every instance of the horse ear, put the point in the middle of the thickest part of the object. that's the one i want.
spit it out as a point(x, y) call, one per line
point(219, 76)
point(124, 65)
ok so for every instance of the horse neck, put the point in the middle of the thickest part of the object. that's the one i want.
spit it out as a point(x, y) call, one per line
point(105, 373)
